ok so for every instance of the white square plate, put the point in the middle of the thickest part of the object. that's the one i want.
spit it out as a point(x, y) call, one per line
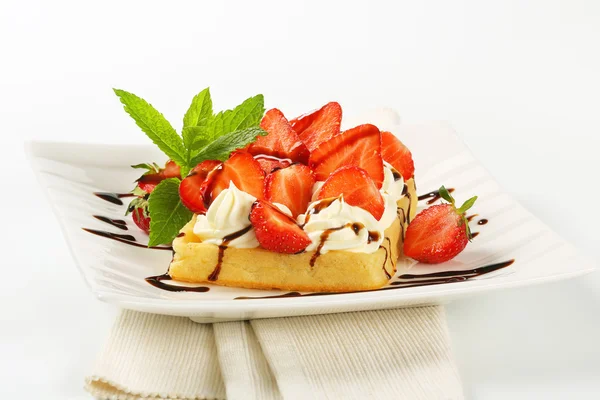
point(116, 271)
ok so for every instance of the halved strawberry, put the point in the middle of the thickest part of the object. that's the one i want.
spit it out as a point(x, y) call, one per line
point(438, 233)
point(357, 188)
point(171, 170)
point(397, 154)
point(319, 126)
point(155, 175)
point(190, 188)
point(275, 231)
point(281, 141)
point(241, 169)
point(291, 186)
point(359, 146)
point(269, 163)
point(141, 219)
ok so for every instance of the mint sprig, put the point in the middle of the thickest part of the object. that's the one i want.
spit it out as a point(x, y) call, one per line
point(154, 124)
point(205, 136)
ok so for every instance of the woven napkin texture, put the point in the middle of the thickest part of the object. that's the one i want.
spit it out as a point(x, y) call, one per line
point(386, 354)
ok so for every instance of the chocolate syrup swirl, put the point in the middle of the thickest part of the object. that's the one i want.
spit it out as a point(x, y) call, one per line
point(387, 255)
point(406, 193)
point(226, 240)
point(434, 278)
point(355, 226)
point(117, 223)
point(157, 281)
point(433, 196)
point(322, 239)
point(402, 217)
point(127, 239)
point(320, 206)
point(114, 198)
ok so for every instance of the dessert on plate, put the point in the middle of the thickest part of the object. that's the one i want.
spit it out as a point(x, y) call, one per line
point(254, 199)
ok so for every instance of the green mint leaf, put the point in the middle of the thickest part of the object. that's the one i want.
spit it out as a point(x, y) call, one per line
point(467, 204)
point(246, 115)
point(221, 148)
point(184, 171)
point(154, 124)
point(168, 214)
point(195, 121)
point(445, 194)
point(200, 109)
point(196, 137)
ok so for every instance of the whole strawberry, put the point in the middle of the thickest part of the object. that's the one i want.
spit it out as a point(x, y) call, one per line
point(439, 233)
point(145, 185)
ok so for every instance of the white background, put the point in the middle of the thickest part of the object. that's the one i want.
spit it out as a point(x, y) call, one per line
point(519, 80)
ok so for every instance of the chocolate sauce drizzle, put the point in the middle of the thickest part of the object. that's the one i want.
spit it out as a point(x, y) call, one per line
point(482, 221)
point(226, 240)
point(435, 278)
point(157, 281)
point(127, 239)
point(387, 255)
point(406, 193)
point(433, 196)
point(117, 223)
point(355, 226)
point(114, 198)
point(320, 206)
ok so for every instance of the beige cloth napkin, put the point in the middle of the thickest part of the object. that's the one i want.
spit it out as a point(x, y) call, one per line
point(387, 354)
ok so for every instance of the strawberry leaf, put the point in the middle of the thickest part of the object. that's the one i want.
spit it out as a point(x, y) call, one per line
point(445, 194)
point(467, 204)
point(152, 168)
point(168, 214)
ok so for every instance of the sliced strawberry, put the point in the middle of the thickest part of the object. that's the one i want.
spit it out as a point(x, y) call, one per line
point(269, 163)
point(155, 175)
point(360, 146)
point(141, 219)
point(171, 170)
point(319, 126)
point(281, 141)
point(147, 186)
point(397, 154)
point(357, 188)
point(190, 188)
point(275, 231)
point(438, 233)
point(241, 169)
point(291, 186)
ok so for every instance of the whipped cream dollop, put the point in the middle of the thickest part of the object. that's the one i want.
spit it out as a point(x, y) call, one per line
point(393, 183)
point(336, 225)
point(227, 215)
point(340, 226)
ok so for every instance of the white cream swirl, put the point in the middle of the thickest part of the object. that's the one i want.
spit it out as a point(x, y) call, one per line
point(391, 186)
point(342, 220)
point(346, 227)
point(227, 214)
